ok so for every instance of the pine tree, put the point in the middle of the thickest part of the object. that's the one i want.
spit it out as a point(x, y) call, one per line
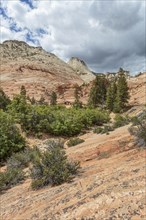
point(98, 92)
point(4, 100)
point(122, 95)
point(33, 101)
point(42, 100)
point(77, 103)
point(111, 96)
point(121, 71)
point(53, 100)
point(23, 90)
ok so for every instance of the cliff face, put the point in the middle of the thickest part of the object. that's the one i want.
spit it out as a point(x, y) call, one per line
point(81, 69)
point(33, 67)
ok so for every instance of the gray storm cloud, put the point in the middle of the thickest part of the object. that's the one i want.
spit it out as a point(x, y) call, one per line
point(105, 34)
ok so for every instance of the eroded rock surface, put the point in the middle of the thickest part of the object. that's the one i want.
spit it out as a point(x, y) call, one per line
point(40, 71)
point(81, 69)
point(110, 185)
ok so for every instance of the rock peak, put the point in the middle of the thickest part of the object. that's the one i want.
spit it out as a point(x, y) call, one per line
point(14, 42)
point(82, 69)
point(17, 43)
point(76, 59)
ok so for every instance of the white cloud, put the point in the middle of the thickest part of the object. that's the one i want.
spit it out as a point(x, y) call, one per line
point(105, 34)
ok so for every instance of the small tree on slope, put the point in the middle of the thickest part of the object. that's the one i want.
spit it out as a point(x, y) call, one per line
point(98, 92)
point(122, 95)
point(4, 100)
point(111, 96)
point(53, 100)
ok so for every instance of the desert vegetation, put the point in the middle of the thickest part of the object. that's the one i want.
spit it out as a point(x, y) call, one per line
point(110, 94)
point(4, 100)
point(49, 167)
point(54, 119)
point(138, 128)
point(10, 178)
point(24, 116)
point(52, 167)
point(74, 141)
point(10, 138)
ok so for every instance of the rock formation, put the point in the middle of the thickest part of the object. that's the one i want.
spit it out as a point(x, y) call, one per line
point(81, 69)
point(41, 72)
point(33, 67)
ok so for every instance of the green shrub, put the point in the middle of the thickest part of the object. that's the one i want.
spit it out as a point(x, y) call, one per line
point(68, 127)
point(37, 184)
point(10, 178)
point(121, 121)
point(98, 130)
point(70, 122)
point(52, 168)
point(139, 128)
point(102, 130)
point(73, 167)
point(10, 138)
point(55, 120)
point(104, 154)
point(89, 117)
point(107, 129)
point(52, 143)
point(4, 100)
point(20, 159)
point(74, 142)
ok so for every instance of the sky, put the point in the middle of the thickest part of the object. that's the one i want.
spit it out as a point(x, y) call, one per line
point(106, 34)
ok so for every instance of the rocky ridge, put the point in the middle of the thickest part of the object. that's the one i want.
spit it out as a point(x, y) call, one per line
point(81, 69)
point(33, 67)
point(41, 72)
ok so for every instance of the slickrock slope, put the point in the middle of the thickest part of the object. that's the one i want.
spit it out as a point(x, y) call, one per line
point(33, 67)
point(110, 185)
point(137, 88)
point(81, 68)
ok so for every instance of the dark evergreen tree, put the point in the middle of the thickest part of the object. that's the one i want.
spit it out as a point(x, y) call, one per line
point(121, 70)
point(77, 103)
point(98, 92)
point(23, 91)
point(42, 100)
point(4, 100)
point(33, 101)
point(10, 138)
point(19, 105)
point(53, 100)
point(111, 95)
point(122, 94)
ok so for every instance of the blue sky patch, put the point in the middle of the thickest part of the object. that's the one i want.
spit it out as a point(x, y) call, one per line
point(31, 38)
point(14, 27)
point(3, 12)
point(41, 31)
point(28, 2)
